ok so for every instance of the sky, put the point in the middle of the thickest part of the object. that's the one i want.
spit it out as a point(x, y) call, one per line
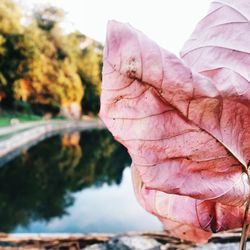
point(168, 22)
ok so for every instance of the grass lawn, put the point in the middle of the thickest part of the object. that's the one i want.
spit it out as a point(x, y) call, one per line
point(5, 118)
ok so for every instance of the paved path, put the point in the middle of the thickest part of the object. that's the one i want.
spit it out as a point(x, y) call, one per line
point(28, 134)
point(20, 126)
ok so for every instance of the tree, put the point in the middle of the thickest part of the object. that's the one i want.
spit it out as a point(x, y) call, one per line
point(47, 18)
point(43, 67)
point(12, 50)
point(87, 56)
point(52, 78)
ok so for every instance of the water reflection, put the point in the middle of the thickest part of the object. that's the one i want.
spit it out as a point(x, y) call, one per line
point(109, 209)
point(39, 184)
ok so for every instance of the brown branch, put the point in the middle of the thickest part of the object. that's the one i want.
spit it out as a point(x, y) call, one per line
point(244, 234)
point(245, 227)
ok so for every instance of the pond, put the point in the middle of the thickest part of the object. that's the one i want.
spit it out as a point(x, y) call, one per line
point(72, 183)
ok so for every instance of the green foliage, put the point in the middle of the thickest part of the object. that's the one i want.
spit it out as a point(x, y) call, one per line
point(42, 66)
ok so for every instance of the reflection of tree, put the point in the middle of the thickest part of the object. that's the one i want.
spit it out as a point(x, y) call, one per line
point(37, 185)
point(103, 160)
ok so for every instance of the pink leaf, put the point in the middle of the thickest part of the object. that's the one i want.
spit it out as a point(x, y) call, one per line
point(185, 123)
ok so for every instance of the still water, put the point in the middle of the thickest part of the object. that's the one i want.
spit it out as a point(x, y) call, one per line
point(73, 183)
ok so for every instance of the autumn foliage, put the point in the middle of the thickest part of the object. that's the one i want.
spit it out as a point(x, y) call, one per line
point(45, 67)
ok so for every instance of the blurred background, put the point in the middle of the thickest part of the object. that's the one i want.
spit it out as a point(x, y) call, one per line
point(50, 74)
point(43, 70)
point(51, 51)
point(77, 180)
